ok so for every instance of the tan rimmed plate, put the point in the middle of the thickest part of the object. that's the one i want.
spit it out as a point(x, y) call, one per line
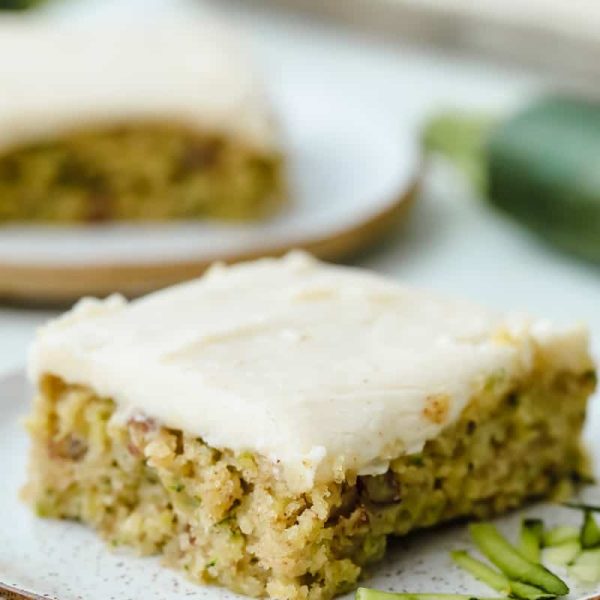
point(352, 177)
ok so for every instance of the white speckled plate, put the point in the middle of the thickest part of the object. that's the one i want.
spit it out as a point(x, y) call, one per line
point(66, 561)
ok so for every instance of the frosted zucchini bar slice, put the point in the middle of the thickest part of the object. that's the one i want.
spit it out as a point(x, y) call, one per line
point(268, 426)
point(133, 121)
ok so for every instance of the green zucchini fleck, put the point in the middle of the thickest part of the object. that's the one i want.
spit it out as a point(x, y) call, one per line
point(495, 547)
point(530, 539)
point(590, 532)
point(582, 506)
point(586, 567)
point(496, 580)
point(563, 554)
point(560, 535)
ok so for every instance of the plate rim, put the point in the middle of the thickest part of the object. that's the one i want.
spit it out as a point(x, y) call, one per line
point(56, 284)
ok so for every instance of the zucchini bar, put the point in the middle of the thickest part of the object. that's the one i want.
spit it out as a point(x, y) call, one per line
point(270, 425)
point(146, 121)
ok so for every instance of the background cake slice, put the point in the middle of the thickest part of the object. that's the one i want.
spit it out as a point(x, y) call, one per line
point(146, 120)
point(268, 426)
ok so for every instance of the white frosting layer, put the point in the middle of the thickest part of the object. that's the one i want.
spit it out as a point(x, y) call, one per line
point(57, 77)
point(321, 368)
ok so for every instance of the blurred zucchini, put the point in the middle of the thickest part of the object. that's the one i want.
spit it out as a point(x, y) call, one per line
point(541, 165)
point(18, 4)
point(461, 137)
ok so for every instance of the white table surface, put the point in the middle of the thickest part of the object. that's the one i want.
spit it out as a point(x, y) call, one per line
point(453, 242)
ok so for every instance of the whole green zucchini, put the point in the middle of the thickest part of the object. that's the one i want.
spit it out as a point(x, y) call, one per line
point(541, 165)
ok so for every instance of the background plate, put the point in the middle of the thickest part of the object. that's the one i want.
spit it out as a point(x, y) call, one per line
point(352, 176)
point(67, 561)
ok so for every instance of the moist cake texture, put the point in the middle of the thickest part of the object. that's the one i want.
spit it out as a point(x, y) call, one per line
point(133, 121)
point(268, 426)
